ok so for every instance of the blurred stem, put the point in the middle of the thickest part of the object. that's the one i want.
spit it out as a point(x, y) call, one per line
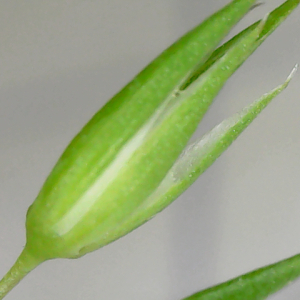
point(23, 265)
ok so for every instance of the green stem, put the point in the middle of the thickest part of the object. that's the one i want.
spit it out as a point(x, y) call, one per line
point(23, 265)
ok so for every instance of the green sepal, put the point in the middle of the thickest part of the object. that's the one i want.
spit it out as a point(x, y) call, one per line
point(275, 18)
point(195, 159)
point(150, 208)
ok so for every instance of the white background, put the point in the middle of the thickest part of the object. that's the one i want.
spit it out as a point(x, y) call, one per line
point(60, 61)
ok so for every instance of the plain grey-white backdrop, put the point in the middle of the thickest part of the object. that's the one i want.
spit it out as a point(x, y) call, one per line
point(60, 61)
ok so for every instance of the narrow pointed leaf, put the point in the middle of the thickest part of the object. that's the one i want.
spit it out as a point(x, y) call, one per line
point(255, 285)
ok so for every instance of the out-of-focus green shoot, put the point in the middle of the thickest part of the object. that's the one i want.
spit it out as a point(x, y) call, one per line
point(133, 159)
point(255, 285)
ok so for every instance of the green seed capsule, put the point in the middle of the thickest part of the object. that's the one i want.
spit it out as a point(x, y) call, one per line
point(130, 161)
point(121, 156)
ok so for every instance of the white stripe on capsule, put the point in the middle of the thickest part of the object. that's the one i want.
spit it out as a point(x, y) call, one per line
point(82, 206)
